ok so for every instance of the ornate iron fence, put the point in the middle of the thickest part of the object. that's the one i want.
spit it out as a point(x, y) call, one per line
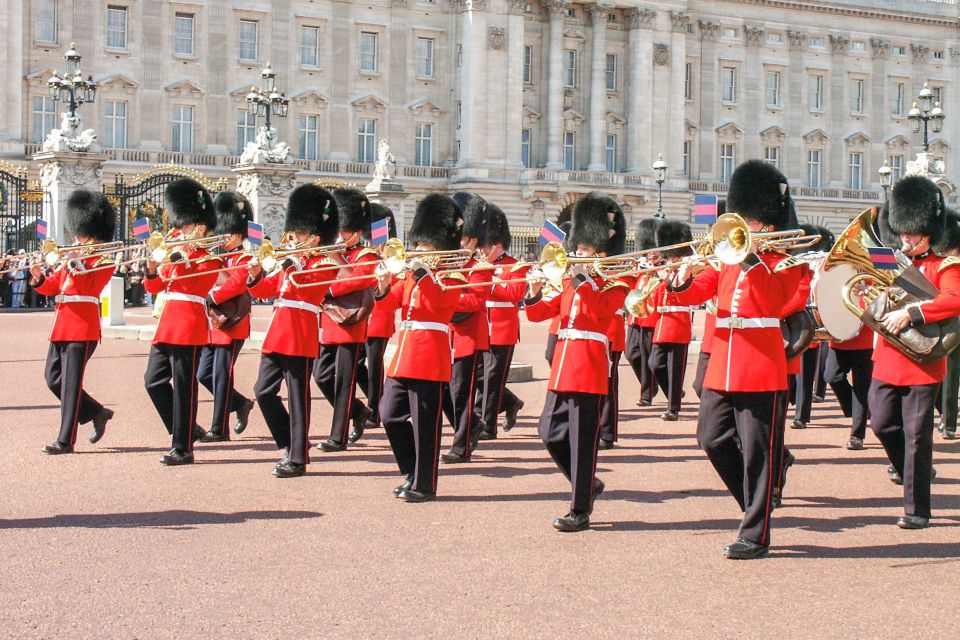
point(21, 205)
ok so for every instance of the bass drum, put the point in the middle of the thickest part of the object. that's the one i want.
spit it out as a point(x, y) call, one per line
point(834, 320)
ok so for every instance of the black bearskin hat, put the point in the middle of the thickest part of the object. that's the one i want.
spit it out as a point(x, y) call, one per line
point(646, 237)
point(760, 192)
point(189, 203)
point(90, 214)
point(438, 221)
point(565, 227)
point(916, 206)
point(598, 221)
point(353, 208)
point(379, 212)
point(950, 240)
point(498, 228)
point(475, 216)
point(233, 213)
point(674, 232)
point(313, 210)
point(827, 239)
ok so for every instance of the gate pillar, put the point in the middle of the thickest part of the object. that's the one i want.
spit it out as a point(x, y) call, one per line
point(267, 187)
point(62, 173)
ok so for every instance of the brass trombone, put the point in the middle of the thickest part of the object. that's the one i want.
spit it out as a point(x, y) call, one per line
point(395, 257)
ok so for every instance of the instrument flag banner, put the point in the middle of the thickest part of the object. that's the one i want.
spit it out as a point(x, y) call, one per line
point(551, 233)
point(379, 231)
point(141, 228)
point(255, 233)
point(41, 229)
point(883, 257)
point(705, 209)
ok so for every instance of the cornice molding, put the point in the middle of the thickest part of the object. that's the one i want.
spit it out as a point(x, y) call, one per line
point(872, 14)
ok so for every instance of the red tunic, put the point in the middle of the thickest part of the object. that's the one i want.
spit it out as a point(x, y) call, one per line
point(503, 314)
point(294, 329)
point(893, 367)
point(798, 302)
point(742, 358)
point(184, 320)
point(709, 326)
point(77, 321)
point(383, 318)
point(423, 343)
point(863, 340)
point(472, 334)
point(231, 284)
point(650, 320)
point(580, 363)
point(363, 262)
point(673, 318)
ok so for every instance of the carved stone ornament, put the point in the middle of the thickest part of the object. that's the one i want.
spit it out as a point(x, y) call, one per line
point(471, 5)
point(880, 47)
point(838, 44)
point(599, 12)
point(384, 167)
point(247, 185)
point(49, 174)
point(640, 17)
point(954, 55)
point(680, 21)
point(496, 37)
point(398, 3)
point(920, 52)
point(798, 39)
point(661, 54)
point(516, 7)
point(69, 137)
point(79, 174)
point(556, 8)
point(754, 33)
point(709, 30)
point(266, 148)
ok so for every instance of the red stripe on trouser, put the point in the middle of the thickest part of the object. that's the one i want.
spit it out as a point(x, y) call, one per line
point(765, 536)
point(351, 388)
point(503, 381)
point(593, 466)
point(225, 416)
point(76, 406)
point(473, 380)
point(306, 410)
point(192, 412)
point(436, 437)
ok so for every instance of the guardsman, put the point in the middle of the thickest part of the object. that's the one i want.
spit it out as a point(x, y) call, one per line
point(639, 340)
point(183, 328)
point(292, 341)
point(335, 371)
point(741, 404)
point(76, 285)
point(903, 391)
point(413, 391)
point(579, 373)
point(949, 246)
point(672, 334)
point(228, 305)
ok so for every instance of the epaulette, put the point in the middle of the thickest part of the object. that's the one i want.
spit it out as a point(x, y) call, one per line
point(949, 261)
point(456, 275)
point(366, 251)
point(614, 283)
point(517, 266)
point(103, 261)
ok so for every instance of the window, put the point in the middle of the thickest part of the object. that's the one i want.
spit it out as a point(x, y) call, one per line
point(813, 167)
point(307, 137)
point(116, 27)
point(938, 54)
point(815, 98)
point(856, 96)
point(182, 128)
point(688, 81)
point(44, 117)
point(569, 68)
point(569, 150)
point(816, 42)
point(310, 46)
point(897, 98)
point(774, 37)
point(899, 50)
point(728, 78)
point(856, 170)
point(248, 39)
point(368, 51)
point(183, 34)
point(459, 114)
point(937, 94)
point(366, 140)
point(727, 161)
point(858, 45)
point(896, 168)
point(773, 88)
point(115, 124)
point(527, 64)
point(571, 13)
point(687, 145)
point(772, 155)
point(611, 72)
point(246, 128)
point(728, 32)
point(46, 27)
point(525, 147)
point(423, 145)
point(425, 57)
point(610, 153)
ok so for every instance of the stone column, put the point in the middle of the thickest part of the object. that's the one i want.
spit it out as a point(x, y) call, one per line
point(62, 173)
point(833, 169)
point(267, 187)
point(473, 33)
point(392, 195)
point(556, 9)
point(707, 90)
point(879, 106)
point(754, 83)
point(514, 86)
point(793, 161)
point(598, 87)
point(639, 104)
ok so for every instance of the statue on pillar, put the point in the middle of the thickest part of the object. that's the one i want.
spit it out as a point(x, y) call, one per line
point(383, 168)
point(266, 148)
point(66, 137)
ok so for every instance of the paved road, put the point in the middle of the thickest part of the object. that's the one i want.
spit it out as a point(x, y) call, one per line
point(108, 543)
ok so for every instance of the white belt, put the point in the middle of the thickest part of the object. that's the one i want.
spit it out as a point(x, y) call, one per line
point(416, 325)
point(672, 309)
point(185, 297)
point(60, 299)
point(577, 334)
point(494, 304)
point(297, 304)
point(748, 323)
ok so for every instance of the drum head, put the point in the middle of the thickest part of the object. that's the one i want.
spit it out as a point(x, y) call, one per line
point(840, 322)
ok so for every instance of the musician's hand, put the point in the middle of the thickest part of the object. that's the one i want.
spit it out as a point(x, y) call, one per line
point(416, 264)
point(578, 269)
point(254, 269)
point(36, 272)
point(152, 266)
point(896, 321)
point(682, 276)
point(217, 320)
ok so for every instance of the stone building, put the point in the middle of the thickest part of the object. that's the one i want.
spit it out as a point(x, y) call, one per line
point(531, 103)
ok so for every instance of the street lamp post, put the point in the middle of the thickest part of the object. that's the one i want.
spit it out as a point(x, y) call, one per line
point(660, 175)
point(72, 88)
point(265, 102)
point(886, 179)
point(927, 113)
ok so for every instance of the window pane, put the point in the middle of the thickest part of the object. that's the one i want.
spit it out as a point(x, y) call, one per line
point(525, 147)
point(115, 124)
point(46, 21)
point(611, 153)
point(368, 51)
point(688, 81)
point(729, 77)
point(816, 92)
point(813, 168)
point(611, 72)
point(248, 39)
point(117, 27)
point(773, 89)
point(307, 147)
point(569, 68)
point(44, 115)
point(423, 137)
point(366, 136)
point(425, 57)
point(310, 46)
point(569, 150)
point(528, 64)
point(686, 157)
point(182, 129)
point(183, 34)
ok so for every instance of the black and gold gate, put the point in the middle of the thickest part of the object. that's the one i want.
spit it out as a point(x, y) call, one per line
point(21, 205)
point(142, 196)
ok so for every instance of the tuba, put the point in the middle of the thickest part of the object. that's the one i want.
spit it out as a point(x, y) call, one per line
point(874, 292)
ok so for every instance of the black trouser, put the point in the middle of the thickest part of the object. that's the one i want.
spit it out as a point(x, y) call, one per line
point(289, 430)
point(570, 429)
point(610, 403)
point(335, 372)
point(947, 395)
point(702, 363)
point(668, 361)
point(852, 398)
point(496, 396)
point(638, 346)
point(820, 387)
point(375, 350)
point(215, 373)
point(410, 410)
point(66, 362)
point(902, 419)
point(551, 347)
point(738, 431)
point(171, 382)
point(805, 381)
point(458, 399)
